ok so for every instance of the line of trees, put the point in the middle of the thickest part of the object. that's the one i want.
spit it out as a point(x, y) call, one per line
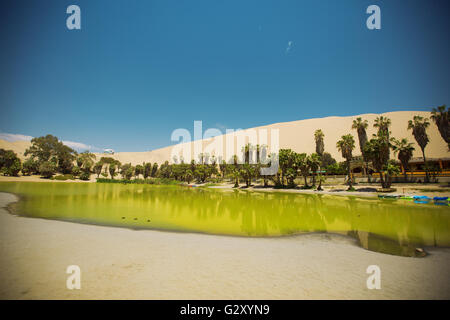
point(48, 156)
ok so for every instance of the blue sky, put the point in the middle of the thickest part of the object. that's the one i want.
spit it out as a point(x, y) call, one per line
point(137, 70)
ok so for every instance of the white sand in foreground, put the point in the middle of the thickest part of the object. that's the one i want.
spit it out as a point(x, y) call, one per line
point(121, 263)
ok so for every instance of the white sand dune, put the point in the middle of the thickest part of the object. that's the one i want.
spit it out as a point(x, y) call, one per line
point(120, 263)
point(297, 135)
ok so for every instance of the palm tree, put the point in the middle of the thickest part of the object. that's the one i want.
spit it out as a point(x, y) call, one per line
point(346, 146)
point(302, 164)
point(377, 151)
point(320, 147)
point(246, 150)
point(405, 151)
point(360, 126)
point(383, 124)
point(236, 175)
point(419, 127)
point(442, 120)
point(314, 164)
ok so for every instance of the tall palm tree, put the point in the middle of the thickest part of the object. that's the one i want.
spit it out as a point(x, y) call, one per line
point(313, 161)
point(302, 164)
point(405, 149)
point(346, 146)
point(419, 127)
point(383, 124)
point(320, 146)
point(360, 126)
point(246, 150)
point(442, 121)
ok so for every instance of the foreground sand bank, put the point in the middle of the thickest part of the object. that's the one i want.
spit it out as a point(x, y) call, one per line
point(120, 263)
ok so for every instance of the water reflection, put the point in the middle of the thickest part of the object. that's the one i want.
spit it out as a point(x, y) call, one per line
point(384, 226)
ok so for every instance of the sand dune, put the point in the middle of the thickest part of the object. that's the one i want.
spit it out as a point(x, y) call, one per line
point(18, 147)
point(297, 135)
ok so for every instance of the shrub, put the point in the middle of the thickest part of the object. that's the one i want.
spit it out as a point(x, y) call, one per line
point(30, 167)
point(10, 164)
point(47, 169)
point(76, 171)
point(63, 177)
point(85, 175)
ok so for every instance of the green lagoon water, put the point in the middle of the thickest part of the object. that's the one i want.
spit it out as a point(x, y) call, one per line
point(395, 227)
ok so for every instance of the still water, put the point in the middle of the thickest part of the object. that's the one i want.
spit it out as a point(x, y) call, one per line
point(388, 226)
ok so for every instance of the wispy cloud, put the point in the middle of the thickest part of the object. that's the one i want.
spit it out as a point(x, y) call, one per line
point(11, 137)
point(289, 46)
point(78, 146)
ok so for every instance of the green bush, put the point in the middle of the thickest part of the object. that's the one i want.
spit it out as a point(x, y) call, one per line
point(47, 169)
point(76, 171)
point(84, 175)
point(30, 167)
point(63, 177)
point(10, 164)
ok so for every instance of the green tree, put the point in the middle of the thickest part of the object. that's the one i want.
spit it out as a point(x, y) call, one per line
point(112, 170)
point(154, 170)
point(327, 160)
point(442, 120)
point(47, 169)
point(404, 149)
point(419, 127)
point(286, 159)
point(138, 170)
point(85, 160)
point(235, 173)
point(383, 124)
point(165, 171)
point(147, 170)
point(376, 150)
point(85, 175)
point(314, 165)
point(320, 146)
point(303, 166)
point(247, 173)
point(98, 168)
point(389, 171)
point(48, 148)
point(30, 167)
point(320, 179)
point(346, 146)
point(76, 171)
point(360, 126)
point(223, 168)
point(188, 176)
point(10, 164)
point(201, 173)
point(127, 171)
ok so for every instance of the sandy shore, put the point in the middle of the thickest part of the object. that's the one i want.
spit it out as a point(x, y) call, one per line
point(340, 190)
point(120, 263)
point(335, 189)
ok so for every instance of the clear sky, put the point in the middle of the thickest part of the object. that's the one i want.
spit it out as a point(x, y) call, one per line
point(137, 70)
